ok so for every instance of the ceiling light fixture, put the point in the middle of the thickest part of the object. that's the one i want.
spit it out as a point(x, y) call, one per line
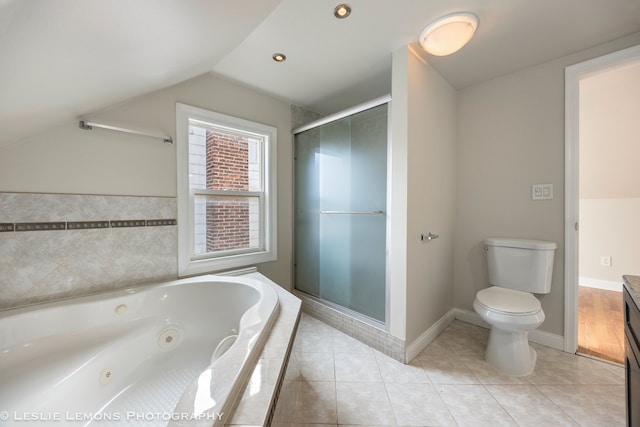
point(279, 57)
point(449, 33)
point(342, 11)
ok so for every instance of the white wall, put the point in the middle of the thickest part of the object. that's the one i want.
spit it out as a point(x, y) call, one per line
point(609, 227)
point(510, 136)
point(609, 127)
point(398, 195)
point(424, 143)
point(67, 159)
point(609, 183)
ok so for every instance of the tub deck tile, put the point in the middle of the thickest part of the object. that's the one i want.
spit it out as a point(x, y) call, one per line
point(257, 405)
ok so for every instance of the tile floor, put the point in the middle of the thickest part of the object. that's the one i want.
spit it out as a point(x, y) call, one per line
point(335, 380)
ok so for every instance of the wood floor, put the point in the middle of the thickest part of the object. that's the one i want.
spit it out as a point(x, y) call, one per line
point(600, 324)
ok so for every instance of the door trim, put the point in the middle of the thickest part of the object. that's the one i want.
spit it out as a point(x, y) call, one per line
point(573, 75)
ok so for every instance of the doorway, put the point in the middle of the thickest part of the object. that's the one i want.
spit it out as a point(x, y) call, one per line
point(602, 200)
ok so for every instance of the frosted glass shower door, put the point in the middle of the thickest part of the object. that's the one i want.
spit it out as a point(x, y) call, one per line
point(340, 223)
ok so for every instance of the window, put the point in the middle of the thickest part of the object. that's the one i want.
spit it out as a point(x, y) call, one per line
point(226, 191)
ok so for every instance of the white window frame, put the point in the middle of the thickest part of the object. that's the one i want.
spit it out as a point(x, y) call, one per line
point(188, 262)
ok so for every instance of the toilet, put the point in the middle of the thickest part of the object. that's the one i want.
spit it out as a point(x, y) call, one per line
point(518, 268)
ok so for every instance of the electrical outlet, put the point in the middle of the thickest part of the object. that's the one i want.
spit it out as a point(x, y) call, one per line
point(605, 261)
point(542, 192)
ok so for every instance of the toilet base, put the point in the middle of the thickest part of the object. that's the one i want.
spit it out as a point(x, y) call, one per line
point(510, 352)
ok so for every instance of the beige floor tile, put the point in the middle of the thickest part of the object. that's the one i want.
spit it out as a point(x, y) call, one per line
point(487, 374)
point(316, 366)
point(316, 402)
point(343, 343)
point(393, 371)
point(357, 368)
point(474, 406)
point(600, 405)
point(590, 371)
point(529, 407)
point(616, 370)
point(318, 341)
point(311, 324)
point(363, 404)
point(293, 368)
point(418, 405)
point(375, 390)
point(312, 425)
point(553, 372)
point(461, 338)
point(448, 371)
point(558, 368)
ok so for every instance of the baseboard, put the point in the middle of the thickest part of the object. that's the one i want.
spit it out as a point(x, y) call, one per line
point(537, 336)
point(547, 339)
point(470, 317)
point(607, 285)
point(413, 350)
point(419, 344)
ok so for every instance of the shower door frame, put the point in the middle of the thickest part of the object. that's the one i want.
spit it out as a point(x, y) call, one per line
point(386, 99)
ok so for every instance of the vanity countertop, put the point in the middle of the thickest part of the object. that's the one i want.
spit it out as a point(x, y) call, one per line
point(632, 283)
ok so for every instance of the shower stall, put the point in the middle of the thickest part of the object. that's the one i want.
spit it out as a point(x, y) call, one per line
point(340, 211)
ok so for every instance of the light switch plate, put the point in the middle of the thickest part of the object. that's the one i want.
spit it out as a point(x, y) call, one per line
point(542, 192)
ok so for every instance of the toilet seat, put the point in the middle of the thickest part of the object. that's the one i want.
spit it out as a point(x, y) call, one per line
point(508, 301)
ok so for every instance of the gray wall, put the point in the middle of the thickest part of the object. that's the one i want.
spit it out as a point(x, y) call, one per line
point(68, 160)
point(423, 195)
point(510, 136)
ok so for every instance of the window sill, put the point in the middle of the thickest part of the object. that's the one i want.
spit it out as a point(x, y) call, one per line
point(212, 265)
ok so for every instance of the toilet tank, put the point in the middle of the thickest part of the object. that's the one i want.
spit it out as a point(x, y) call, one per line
point(524, 265)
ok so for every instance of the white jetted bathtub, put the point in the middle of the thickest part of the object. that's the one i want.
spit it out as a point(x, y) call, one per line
point(170, 354)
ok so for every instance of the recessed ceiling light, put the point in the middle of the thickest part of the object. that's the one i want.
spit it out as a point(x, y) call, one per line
point(342, 11)
point(279, 57)
point(448, 34)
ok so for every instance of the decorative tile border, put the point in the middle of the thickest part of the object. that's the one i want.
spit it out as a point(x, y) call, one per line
point(129, 223)
point(161, 222)
point(84, 225)
point(6, 226)
point(40, 226)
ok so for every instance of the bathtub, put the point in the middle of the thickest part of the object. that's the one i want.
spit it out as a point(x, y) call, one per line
point(170, 354)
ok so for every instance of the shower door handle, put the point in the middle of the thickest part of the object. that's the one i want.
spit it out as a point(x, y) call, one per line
point(352, 212)
point(429, 236)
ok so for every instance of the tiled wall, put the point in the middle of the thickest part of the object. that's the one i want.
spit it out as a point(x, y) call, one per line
point(61, 245)
point(301, 116)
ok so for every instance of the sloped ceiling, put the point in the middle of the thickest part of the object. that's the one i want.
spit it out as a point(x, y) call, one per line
point(60, 59)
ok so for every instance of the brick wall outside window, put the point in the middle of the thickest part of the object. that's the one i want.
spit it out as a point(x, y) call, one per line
point(227, 168)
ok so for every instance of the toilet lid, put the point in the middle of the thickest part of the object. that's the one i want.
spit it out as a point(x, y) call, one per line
point(508, 300)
